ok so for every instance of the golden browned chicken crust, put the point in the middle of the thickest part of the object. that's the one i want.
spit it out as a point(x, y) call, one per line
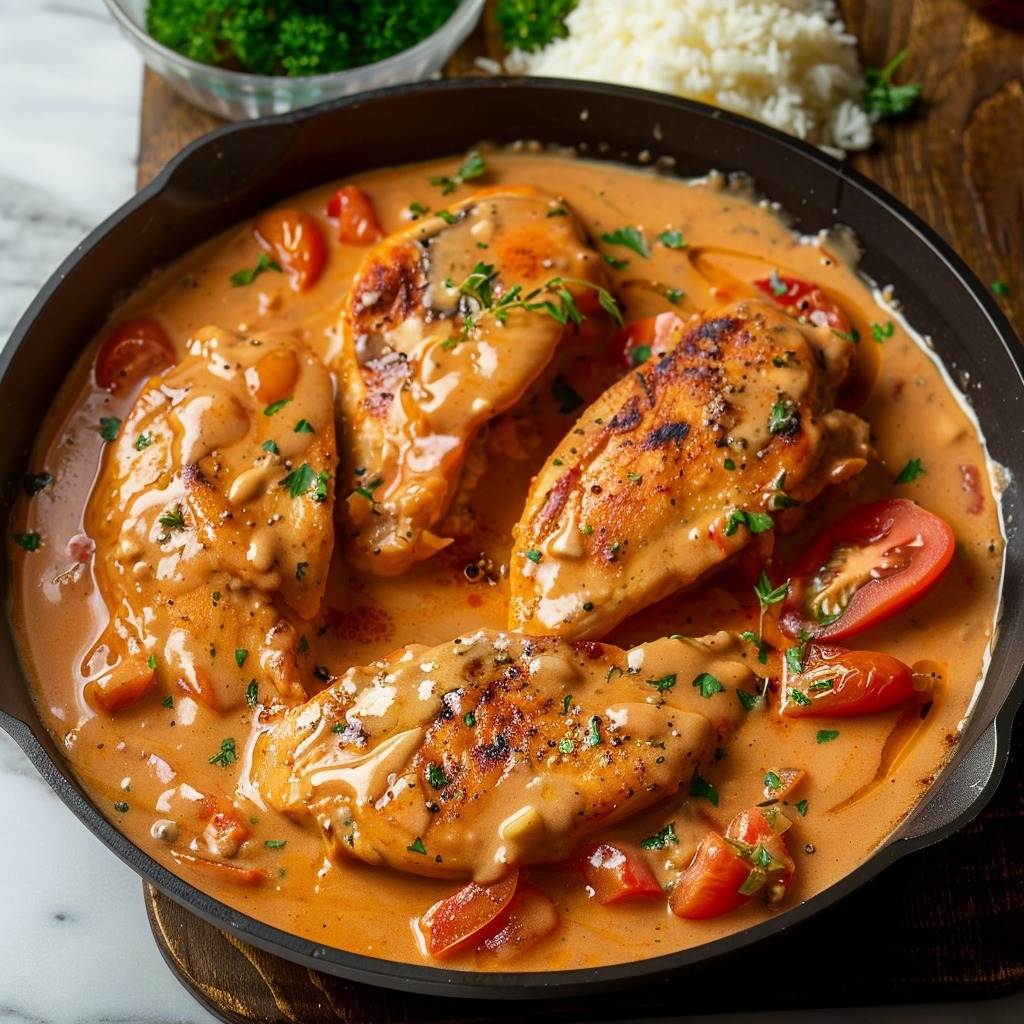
point(213, 514)
point(436, 339)
point(674, 469)
point(496, 751)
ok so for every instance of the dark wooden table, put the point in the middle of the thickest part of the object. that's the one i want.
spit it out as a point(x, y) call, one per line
point(944, 923)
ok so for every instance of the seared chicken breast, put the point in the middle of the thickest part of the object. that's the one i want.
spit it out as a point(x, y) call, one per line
point(673, 470)
point(213, 514)
point(495, 751)
point(446, 325)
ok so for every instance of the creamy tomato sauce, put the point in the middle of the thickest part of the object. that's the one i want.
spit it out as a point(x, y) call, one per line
point(160, 767)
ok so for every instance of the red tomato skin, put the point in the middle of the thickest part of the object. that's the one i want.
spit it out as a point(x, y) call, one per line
point(529, 916)
point(653, 332)
point(468, 917)
point(617, 871)
point(357, 221)
point(131, 352)
point(864, 682)
point(883, 525)
point(293, 237)
point(710, 886)
point(801, 298)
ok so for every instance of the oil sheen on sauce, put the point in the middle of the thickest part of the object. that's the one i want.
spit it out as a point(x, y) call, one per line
point(144, 764)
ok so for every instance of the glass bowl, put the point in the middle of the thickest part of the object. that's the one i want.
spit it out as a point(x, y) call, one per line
point(237, 95)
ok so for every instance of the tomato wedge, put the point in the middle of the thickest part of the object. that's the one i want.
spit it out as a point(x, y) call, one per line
point(727, 870)
point(617, 871)
point(132, 351)
point(836, 682)
point(357, 221)
point(865, 567)
point(468, 917)
point(294, 239)
point(802, 299)
point(637, 342)
point(529, 916)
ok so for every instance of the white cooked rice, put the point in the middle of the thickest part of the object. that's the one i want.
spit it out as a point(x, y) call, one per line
point(788, 63)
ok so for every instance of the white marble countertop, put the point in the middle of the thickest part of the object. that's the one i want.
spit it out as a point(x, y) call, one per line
point(75, 945)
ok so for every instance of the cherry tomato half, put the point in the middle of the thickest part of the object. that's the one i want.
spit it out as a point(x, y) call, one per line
point(836, 682)
point(637, 342)
point(803, 299)
point(727, 870)
point(617, 871)
point(864, 567)
point(295, 240)
point(352, 208)
point(132, 351)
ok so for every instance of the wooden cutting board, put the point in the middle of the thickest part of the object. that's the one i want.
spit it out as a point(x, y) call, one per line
point(944, 923)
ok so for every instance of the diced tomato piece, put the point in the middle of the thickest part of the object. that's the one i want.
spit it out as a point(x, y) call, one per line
point(641, 340)
point(727, 870)
point(711, 885)
point(529, 916)
point(803, 299)
point(119, 688)
point(836, 682)
point(133, 351)
point(357, 221)
point(617, 871)
point(294, 239)
point(467, 917)
point(865, 567)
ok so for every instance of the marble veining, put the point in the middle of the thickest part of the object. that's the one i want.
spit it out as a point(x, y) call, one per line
point(75, 946)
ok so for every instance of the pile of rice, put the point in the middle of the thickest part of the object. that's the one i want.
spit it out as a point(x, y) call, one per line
point(788, 63)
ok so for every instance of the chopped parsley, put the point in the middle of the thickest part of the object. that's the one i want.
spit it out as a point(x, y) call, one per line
point(755, 522)
point(593, 737)
point(566, 746)
point(121, 807)
point(274, 844)
point(143, 441)
point(795, 658)
point(29, 541)
point(240, 655)
point(662, 838)
point(275, 407)
point(883, 99)
point(300, 570)
point(472, 167)
point(823, 684)
point(271, 446)
point(784, 418)
point(631, 238)
point(801, 698)
point(252, 693)
point(226, 754)
point(246, 276)
point(615, 263)
point(663, 684)
point(882, 331)
point(675, 295)
point(700, 787)
point(533, 555)
point(1000, 288)
point(151, 662)
point(167, 702)
point(707, 685)
point(300, 480)
point(469, 719)
point(772, 781)
point(366, 491)
point(910, 472)
point(749, 700)
point(672, 239)
point(801, 808)
point(417, 846)
point(110, 427)
point(304, 427)
point(436, 777)
point(173, 520)
point(827, 735)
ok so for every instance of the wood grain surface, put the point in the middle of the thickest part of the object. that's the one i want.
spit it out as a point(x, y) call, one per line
point(944, 923)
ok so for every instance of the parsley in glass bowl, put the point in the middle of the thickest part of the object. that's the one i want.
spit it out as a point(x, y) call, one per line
point(238, 94)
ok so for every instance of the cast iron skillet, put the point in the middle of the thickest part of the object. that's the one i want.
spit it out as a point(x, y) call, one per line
point(240, 169)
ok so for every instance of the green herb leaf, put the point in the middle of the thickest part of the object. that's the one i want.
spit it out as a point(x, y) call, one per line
point(252, 693)
point(244, 277)
point(883, 99)
point(566, 746)
point(700, 787)
point(366, 491)
point(767, 595)
point(823, 684)
point(436, 777)
point(748, 700)
point(1000, 288)
point(472, 167)
point(795, 658)
point(801, 808)
point(661, 838)
point(631, 238)
point(707, 685)
point(276, 407)
point(304, 427)
point(226, 754)
point(469, 719)
point(110, 427)
point(121, 807)
point(910, 472)
point(615, 263)
point(533, 555)
point(300, 570)
point(417, 846)
point(274, 844)
point(271, 446)
point(529, 25)
point(240, 655)
point(143, 441)
point(755, 522)
point(167, 702)
point(827, 735)
point(672, 239)
point(882, 331)
point(801, 698)
point(784, 418)
point(675, 295)
point(772, 781)
point(300, 480)
point(663, 684)
point(173, 520)
point(593, 737)
point(29, 541)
